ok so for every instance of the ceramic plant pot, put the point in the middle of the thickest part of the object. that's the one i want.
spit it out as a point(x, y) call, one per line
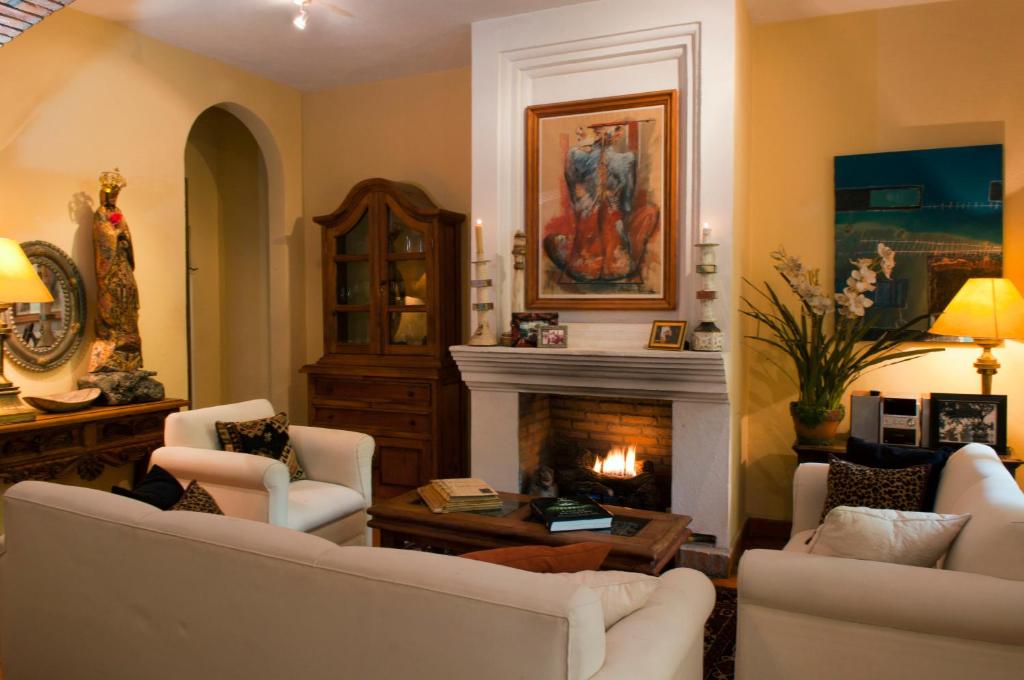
point(815, 426)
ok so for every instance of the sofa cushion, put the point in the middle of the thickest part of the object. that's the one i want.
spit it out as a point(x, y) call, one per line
point(861, 452)
point(546, 559)
point(992, 543)
point(621, 592)
point(312, 504)
point(264, 437)
point(197, 499)
point(159, 488)
point(915, 538)
point(860, 486)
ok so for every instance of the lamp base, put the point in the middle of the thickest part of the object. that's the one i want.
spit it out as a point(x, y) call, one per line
point(986, 364)
point(12, 409)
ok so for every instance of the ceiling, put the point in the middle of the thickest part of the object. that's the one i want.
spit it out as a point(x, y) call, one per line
point(351, 41)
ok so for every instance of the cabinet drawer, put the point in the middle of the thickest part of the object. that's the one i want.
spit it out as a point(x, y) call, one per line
point(383, 391)
point(371, 420)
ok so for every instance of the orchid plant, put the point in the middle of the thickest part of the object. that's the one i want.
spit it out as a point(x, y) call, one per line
point(829, 354)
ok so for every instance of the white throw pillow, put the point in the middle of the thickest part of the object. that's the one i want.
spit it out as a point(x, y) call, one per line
point(621, 592)
point(899, 537)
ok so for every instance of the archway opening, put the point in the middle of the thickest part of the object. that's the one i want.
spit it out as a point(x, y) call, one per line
point(227, 226)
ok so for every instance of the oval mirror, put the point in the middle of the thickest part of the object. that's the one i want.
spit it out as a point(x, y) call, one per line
point(45, 335)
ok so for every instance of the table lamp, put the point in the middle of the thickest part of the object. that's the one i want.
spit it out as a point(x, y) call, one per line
point(989, 311)
point(19, 283)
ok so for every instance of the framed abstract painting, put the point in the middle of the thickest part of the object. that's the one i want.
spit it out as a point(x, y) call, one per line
point(939, 210)
point(601, 203)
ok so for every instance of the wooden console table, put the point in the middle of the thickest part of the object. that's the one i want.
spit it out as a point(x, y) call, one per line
point(83, 441)
point(648, 542)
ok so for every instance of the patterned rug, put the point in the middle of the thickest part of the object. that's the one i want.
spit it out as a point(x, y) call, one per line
point(720, 637)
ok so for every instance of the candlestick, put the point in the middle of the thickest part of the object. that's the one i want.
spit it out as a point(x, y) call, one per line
point(707, 337)
point(482, 283)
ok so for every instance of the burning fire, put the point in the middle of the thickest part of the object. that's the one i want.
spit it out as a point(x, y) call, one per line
point(618, 463)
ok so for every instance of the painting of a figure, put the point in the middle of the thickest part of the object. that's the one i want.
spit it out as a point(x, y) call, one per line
point(601, 203)
point(940, 210)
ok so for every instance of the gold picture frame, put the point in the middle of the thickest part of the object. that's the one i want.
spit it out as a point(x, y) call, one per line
point(667, 335)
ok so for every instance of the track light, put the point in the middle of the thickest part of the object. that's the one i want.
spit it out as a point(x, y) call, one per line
point(303, 16)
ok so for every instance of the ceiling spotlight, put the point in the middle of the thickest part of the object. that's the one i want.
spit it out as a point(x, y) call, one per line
point(300, 19)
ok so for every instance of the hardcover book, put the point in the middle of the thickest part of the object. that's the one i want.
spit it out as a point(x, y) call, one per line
point(571, 514)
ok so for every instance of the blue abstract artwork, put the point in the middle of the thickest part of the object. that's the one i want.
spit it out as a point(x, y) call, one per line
point(940, 210)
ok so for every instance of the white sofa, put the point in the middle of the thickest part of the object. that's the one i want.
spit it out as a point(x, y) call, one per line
point(811, 616)
point(331, 502)
point(100, 587)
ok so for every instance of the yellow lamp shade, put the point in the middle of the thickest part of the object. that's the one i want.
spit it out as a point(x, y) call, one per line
point(19, 281)
point(984, 308)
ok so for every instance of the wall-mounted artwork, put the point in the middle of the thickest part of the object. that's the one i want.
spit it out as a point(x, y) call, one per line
point(940, 210)
point(601, 203)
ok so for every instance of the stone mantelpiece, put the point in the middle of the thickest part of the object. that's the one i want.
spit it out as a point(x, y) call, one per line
point(694, 382)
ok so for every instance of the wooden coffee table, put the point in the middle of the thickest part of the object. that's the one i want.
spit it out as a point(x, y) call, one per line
point(641, 540)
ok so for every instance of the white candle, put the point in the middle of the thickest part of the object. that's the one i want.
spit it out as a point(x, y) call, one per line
point(705, 233)
point(479, 229)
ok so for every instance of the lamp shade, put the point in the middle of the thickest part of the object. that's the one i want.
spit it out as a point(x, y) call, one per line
point(984, 308)
point(19, 281)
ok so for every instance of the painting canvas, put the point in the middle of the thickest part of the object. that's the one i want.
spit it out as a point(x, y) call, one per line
point(601, 203)
point(940, 210)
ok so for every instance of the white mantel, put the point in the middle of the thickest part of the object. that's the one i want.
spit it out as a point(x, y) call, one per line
point(693, 381)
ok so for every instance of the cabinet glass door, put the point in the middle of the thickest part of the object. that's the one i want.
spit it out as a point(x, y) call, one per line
point(408, 320)
point(352, 276)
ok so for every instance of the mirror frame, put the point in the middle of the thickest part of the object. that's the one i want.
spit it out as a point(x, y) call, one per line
point(70, 281)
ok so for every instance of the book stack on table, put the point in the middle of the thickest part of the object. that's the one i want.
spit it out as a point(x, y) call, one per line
point(459, 495)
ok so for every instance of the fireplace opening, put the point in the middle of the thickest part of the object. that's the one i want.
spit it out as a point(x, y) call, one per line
point(616, 451)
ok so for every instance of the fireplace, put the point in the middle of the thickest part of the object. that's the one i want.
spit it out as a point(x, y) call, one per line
point(616, 451)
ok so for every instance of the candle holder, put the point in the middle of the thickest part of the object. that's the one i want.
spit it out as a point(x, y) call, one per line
point(707, 337)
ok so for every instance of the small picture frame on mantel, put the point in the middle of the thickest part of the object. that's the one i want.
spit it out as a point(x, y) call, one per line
point(667, 335)
point(553, 337)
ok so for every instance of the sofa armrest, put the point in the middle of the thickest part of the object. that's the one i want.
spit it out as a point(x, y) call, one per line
point(244, 485)
point(929, 601)
point(663, 636)
point(810, 487)
point(335, 456)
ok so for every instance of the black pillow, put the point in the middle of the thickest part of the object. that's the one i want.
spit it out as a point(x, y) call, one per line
point(890, 457)
point(159, 489)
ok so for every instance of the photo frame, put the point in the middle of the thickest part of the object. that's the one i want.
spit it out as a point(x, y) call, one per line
point(602, 203)
point(525, 325)
point(553, 337)
point(958, 419)
point(667, 335)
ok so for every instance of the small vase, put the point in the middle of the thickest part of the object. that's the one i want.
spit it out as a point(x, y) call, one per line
point(820, 430)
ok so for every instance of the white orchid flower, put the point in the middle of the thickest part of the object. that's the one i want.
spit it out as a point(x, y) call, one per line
point(888, 256)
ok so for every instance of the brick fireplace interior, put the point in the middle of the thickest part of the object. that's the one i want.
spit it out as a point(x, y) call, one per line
point(570, 433)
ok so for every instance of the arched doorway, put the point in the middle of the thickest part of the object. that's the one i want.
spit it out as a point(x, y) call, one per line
point(227, 249)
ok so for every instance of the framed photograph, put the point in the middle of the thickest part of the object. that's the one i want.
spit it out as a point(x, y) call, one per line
point(556, 337)
point(601, 203)
point(667, 335)
point(526, 324)
point(969, 418)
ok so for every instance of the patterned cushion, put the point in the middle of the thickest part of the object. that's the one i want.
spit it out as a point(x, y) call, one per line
point(197, 499)
point(866, 487)
point(264, 437)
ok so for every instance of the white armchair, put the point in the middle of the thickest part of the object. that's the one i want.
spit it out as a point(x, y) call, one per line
point(331, 502)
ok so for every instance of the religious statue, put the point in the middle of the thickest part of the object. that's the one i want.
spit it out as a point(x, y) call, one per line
point(117, 346)
point(115, 359)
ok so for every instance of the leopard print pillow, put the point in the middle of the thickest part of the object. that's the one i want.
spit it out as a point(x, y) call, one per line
point(197, 499)
point(264, 437)
point(866, 487)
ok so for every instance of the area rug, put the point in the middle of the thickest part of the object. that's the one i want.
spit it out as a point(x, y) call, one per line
point(720, 637)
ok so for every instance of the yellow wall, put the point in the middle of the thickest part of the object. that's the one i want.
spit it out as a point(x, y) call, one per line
point(413, 129)
point(83, 95)
point(946, 74)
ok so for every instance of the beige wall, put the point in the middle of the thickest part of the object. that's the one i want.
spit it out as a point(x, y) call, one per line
point(947, 74)
point(413, 130)
point(91, 95)
point(227, 207)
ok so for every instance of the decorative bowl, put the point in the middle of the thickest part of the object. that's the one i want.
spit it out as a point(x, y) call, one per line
point(62, 403)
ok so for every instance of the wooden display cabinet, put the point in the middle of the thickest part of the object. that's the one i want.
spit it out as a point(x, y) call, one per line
point(392, 308)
